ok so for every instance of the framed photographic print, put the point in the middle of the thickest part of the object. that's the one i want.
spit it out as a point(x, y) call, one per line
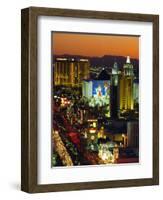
point(90, 100)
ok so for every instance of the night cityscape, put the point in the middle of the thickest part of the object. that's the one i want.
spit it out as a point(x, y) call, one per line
point(95, 108)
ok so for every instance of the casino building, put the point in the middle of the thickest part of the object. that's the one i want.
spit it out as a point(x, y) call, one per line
point(70, 71)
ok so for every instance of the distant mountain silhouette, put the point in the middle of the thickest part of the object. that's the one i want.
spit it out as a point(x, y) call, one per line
point(105, 61)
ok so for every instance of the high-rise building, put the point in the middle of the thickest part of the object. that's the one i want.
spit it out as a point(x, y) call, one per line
point(70, 71)
point(133, 134)
point(87, 88)
point(114, 74)
point(136, 91)
point(114, 94)
point(126, 87)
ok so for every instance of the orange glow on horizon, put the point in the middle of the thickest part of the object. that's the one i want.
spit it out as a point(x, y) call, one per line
point(95, 45)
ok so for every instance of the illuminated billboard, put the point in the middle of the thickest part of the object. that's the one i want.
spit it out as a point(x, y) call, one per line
point(97, 92)
point(101, 88)
point(96, 88)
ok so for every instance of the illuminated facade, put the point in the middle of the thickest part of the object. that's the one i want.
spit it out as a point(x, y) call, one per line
point(136, 91)
point(126, 87)
point(97, 91)
point(105, 154)
point(115, 75)
point(87, 89)
point(70, 71)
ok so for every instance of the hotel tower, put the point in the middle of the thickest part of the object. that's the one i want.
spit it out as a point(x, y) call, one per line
point(126, 87)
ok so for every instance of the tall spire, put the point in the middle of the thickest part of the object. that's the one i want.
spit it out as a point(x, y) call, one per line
point(128, 59)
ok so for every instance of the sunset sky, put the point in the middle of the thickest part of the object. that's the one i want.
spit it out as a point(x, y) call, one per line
point(95, 45)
